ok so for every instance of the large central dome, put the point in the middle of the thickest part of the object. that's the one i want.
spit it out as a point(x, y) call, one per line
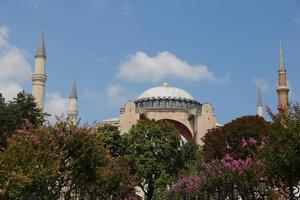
point(165, 91)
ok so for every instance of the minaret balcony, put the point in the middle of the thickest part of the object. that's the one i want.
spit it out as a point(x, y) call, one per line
point(39, 78)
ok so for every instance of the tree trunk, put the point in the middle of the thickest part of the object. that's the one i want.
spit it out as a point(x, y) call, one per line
point(150, 191)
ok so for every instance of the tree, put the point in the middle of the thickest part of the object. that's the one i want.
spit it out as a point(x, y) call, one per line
point(82, 155)
point(29, 164)
point(119, 173)
point(52, 162)
point(235, 148)
point(192, 158)
point(281, 154)
point(3, 122)
point(119, 178)
point(231, 138)
point(22, 109)
point(155, 147)
point(112, 140)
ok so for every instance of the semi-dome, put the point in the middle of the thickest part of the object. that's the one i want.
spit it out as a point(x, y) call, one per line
point(165, 91)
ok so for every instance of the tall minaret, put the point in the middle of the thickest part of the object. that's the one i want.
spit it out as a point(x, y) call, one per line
point(282, 89)
point(39, 77)
point(260, 110)
point(72, 113)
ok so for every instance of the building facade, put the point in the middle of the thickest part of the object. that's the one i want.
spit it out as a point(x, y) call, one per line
point(167, 103)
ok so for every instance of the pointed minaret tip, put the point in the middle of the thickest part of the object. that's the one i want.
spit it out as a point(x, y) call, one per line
point(41, 50)
point(73, 94)
point(281, 57)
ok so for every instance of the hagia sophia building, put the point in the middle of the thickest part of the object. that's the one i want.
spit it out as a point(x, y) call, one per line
point(175, 105)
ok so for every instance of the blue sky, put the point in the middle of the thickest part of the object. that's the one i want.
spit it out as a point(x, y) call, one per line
point(216, 50)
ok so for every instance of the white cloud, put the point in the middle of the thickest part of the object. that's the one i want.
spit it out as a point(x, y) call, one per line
point(9, 89)
point(141, 67)
point(56, 105)
point(115, 95)
point(14, 66)
point(262, 84)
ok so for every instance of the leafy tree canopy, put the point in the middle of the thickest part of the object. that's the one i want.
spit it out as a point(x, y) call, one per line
point(229, 139)
point(13, 114)
point(155, 147)
point(192, 158)
point(281, 154)
point(51, 162)
point(112, 139)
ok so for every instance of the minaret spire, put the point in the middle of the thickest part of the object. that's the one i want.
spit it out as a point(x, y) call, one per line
point(282, 89)
point(281, 58)
point(39, 77)
point(73, 112)
point(74, 91)
point(41, 50)
point(259, 103)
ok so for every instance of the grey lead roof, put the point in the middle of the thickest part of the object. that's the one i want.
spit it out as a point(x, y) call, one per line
point(259, 99)
point(281, 57)
point(41, 50)
point(73, 94)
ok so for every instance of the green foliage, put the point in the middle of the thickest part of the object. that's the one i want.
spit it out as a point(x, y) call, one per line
point(191, 157)
point(230, 155)
point(112, 139)
point(281, 154)
point(119, 178)
point(155, 147)
point(119, 173)
point(3, 122)
point(29, 164)
point(62, 160)
point(15, 113)
point(68, 161)
point(24, 108)
point(228, 139)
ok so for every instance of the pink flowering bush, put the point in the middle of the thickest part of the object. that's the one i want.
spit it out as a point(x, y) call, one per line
point(237, 165)
point(186, 185)
point(49, 160)
point(281, 153)
point(208, 178)
point(215, 174)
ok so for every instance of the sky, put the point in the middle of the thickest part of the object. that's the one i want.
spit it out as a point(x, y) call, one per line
point(218, 51)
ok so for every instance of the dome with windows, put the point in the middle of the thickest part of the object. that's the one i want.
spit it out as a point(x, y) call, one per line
point(165, 96)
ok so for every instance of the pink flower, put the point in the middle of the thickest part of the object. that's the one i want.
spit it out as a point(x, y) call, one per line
point(186, 184)
point(280, 108)
point(244, 143)
point(262, 145)
point(236, 165)
point(266, 178)
point(61, 134)
point(248, 162)
point(252, 141)
point(228, 158)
